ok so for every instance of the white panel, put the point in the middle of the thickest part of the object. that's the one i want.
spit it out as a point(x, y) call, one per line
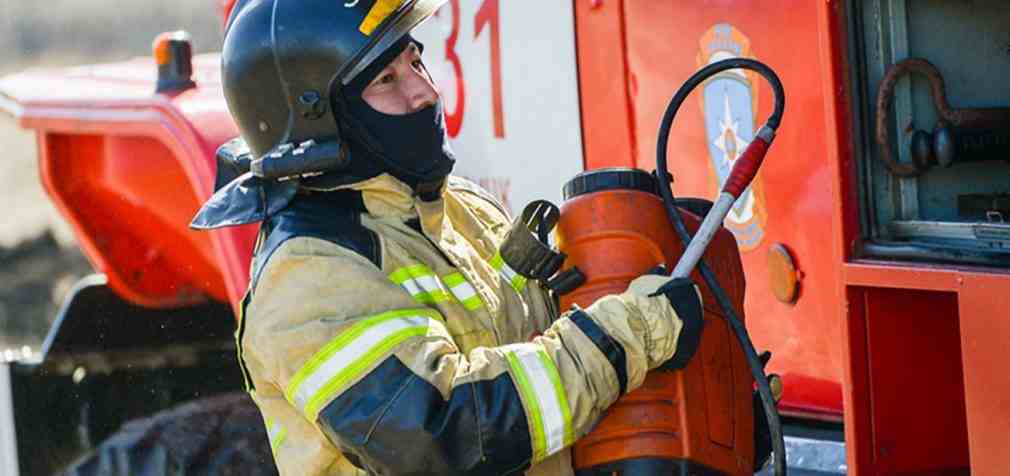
point(542, 143)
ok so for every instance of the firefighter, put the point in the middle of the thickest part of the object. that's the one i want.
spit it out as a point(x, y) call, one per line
point(382, 332)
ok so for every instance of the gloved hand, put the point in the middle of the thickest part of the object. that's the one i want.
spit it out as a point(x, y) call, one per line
point(680, 299)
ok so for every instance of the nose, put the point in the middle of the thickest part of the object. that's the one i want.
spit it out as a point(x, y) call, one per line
point(419, 90)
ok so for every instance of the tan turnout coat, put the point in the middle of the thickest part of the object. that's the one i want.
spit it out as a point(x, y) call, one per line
point(438, 358)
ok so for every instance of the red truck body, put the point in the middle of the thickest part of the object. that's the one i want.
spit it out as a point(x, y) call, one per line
point(129, 168)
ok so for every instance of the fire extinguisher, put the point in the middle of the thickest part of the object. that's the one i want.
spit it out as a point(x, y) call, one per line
point(614, 225)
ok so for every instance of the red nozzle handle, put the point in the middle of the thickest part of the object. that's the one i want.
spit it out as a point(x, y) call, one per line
point(746, 167)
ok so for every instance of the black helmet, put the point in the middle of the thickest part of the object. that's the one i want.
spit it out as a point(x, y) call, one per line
point(283, 60)
point(284, 68)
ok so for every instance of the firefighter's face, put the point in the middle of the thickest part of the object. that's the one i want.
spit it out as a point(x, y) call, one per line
point(403, 86)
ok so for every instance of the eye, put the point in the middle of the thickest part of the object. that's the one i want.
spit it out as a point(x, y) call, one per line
point(386, 77)
point(417, 64)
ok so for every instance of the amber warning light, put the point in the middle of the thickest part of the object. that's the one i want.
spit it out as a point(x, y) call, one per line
point(173, 53)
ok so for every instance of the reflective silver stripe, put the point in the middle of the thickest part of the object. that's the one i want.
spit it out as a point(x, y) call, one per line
point(508, 274)
point(421, 282)
point(539, 382)
point(463, 291)
point(428, 283)
point(412, 287)
point(352, 353)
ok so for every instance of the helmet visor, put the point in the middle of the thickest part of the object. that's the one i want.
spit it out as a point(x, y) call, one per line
point(401, 22)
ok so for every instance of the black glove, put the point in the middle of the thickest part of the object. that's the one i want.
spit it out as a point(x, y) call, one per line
point(686, 301)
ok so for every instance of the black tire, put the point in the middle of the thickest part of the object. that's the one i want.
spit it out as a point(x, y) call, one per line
point(220, 435)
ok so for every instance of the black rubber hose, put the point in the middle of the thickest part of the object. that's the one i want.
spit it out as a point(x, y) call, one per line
point(757, 370)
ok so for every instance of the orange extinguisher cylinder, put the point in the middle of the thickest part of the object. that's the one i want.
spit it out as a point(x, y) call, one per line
point(698, 420)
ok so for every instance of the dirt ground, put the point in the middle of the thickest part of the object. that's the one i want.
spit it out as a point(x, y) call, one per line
point(39, 258)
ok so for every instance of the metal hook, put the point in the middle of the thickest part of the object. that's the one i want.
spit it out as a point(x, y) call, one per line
point(951, 120)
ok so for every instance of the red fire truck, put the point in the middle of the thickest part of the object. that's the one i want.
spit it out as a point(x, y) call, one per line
point(873, 239)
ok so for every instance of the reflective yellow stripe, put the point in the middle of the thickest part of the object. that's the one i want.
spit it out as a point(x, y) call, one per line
point(463, 291)
point(379, 12)
point(432, 298)
point(351, 354)
point(562, 399)
point(421, 282)
point(408, 273)
point(454, 279)
point(276, 433)
point(507, 273)
point(546, 404)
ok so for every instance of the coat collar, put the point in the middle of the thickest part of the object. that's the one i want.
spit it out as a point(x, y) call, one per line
point(247, 199)
point(387, 197)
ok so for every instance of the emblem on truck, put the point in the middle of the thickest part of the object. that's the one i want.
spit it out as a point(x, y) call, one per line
point(729, 102)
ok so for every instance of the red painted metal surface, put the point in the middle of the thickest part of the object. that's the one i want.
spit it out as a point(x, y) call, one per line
point(664, 43)
point(952, 370)
point(129, 168)
point(914, 351)
point(607, 129)
point(903, 408)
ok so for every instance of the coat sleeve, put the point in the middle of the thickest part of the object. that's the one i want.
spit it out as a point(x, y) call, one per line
point(381, 377)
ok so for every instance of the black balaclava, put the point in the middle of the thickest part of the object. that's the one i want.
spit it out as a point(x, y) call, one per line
point(411, 147)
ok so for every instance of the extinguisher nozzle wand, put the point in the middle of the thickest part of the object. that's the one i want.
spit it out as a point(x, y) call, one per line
point(744, 169)
point(706, 232)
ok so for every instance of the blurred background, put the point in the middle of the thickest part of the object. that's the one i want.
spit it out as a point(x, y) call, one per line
point(39, 260)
